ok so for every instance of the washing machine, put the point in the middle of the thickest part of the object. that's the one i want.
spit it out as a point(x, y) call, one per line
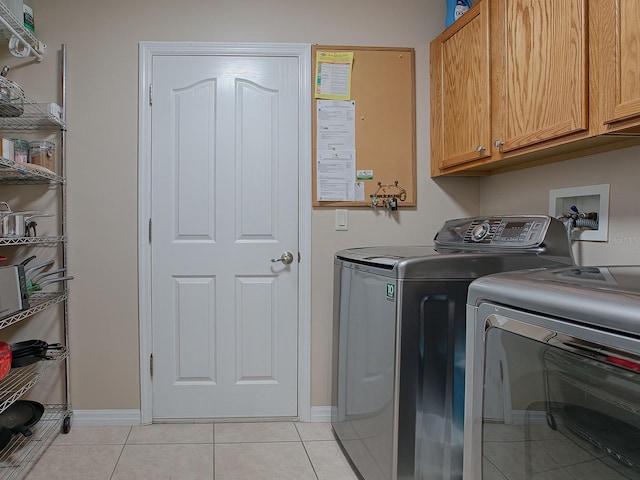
point(553, 375)
point(399, 340)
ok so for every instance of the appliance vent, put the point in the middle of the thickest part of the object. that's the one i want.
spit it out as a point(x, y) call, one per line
point(494, 223)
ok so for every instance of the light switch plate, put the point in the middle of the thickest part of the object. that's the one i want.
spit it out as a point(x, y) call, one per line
point(342, 219)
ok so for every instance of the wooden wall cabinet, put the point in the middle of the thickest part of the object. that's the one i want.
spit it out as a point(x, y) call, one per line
point(615, 48)
point(460, 92)
point(540, 71)
point(560, 75)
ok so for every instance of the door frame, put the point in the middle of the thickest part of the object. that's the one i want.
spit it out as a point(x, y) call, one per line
point(146, 52)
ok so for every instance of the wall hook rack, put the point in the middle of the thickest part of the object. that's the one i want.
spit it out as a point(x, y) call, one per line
point(388, 195)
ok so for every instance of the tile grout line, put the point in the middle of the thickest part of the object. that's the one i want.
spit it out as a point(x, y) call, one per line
point(113, 471)
point(213, 445)
point(258, 441)
point(310, 461)
point(313, 468)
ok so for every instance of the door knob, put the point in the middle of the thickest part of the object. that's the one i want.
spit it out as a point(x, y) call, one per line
point(286, 258)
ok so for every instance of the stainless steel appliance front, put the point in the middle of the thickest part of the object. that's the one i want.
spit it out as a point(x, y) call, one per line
point(553, 375)
point(399, 340)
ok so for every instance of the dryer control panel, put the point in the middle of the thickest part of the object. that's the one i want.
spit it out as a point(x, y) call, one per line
point(512, 231)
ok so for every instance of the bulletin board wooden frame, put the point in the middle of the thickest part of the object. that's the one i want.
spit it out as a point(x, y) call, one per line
point(383, 87)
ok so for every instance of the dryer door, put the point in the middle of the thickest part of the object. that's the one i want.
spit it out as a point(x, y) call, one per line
point(557, 400)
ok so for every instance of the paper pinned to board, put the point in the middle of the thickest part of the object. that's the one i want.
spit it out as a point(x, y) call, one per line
point(336, 175)
point(335, 151)
point(333, 75)
point(336, 128)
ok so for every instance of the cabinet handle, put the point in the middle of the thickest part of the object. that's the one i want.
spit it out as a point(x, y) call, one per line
point(480, 149)
point(499, 144)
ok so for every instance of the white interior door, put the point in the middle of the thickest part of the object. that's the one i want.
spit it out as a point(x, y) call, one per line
point(224, 202)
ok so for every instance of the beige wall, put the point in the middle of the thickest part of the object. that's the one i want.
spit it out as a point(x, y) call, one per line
point(527, 191)
point(102, 40)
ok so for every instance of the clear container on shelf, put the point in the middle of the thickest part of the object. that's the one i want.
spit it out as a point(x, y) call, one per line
point(43, 153)
point(20, 150)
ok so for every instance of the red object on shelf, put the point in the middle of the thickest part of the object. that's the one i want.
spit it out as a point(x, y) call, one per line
point(5, 359)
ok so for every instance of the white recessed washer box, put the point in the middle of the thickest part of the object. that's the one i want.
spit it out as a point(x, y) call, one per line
point(590, 198)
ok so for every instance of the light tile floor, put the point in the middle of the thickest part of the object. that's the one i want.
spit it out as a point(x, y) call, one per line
point(546, 454)
point(222, 451)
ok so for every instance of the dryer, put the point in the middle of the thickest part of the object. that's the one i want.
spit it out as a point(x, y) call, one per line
point(399, 340)
point(553, 375)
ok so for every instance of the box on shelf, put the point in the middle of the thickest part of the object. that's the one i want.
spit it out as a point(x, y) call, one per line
point(6, 148)
point(55, 110)
point(20, 150)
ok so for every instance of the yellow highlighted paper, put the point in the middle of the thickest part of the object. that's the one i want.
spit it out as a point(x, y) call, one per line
point(333, 75)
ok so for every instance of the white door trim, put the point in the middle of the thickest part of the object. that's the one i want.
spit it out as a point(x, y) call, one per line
point(147, 50)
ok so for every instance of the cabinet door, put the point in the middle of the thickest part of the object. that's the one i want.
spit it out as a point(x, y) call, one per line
point(460, 91)
point(618, 29)
point(541, 70)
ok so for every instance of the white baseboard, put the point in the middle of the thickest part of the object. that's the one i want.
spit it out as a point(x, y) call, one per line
point(100, 418)
point(320, 414)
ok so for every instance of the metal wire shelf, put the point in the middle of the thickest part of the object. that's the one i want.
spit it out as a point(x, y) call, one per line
point(27, 114)
point(22, 114)
point(21, 36)
point(21, 454)
point(26, 173)
point(34, 117)
point(31, 240)
point(39, 301)
point(21, 380)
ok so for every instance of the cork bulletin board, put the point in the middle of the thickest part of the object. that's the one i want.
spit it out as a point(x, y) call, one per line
point(383, 89)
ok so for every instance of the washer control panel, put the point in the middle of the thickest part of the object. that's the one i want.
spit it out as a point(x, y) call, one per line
point(523, 232)
point(513, 231)
point(480, 232)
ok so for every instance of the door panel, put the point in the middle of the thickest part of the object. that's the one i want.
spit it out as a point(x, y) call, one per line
point(257, 159)
point(194, 106)
point(195, 342)
point(257, 357)
point(224, 203)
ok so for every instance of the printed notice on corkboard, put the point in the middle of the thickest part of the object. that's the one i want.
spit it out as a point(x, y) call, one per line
point(333, 75)
point(335, 150)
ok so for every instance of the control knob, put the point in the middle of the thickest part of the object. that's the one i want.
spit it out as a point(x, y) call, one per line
point(480, 231)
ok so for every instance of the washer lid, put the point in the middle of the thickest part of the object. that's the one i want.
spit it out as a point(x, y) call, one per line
point(424, 263)
point(606, 296)
point(384, 256)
